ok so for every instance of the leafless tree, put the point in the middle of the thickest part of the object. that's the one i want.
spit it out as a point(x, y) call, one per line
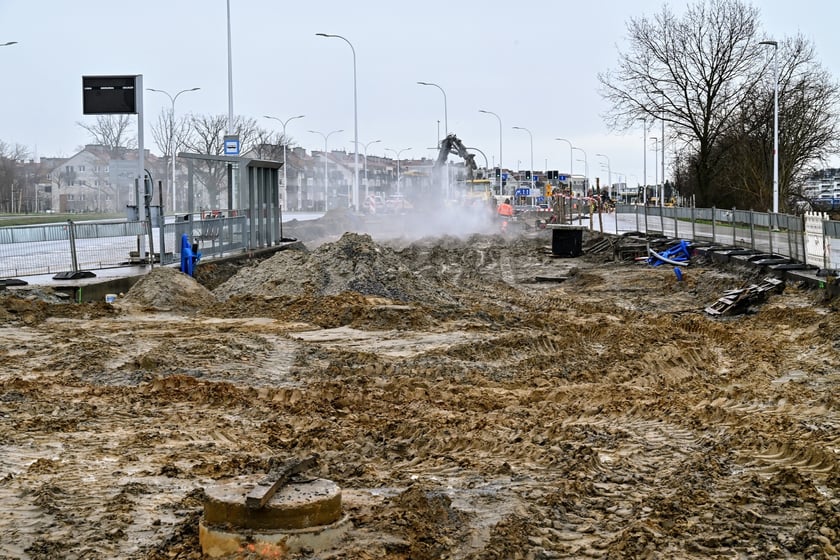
point(112, 131)
point(808, 101)
point(206, 136)
point(694, 72)
point(11, 189)
point(269, 145)
point(169, 132)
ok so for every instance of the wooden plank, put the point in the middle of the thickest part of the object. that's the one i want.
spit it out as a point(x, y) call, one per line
point(268, 486)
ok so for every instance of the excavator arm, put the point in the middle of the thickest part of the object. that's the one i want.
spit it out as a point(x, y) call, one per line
point(452, 145)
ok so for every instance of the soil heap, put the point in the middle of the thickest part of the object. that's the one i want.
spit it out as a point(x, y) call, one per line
point(354, 263)
point(166, 289)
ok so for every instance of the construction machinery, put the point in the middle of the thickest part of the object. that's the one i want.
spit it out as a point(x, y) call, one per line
point(452, 145)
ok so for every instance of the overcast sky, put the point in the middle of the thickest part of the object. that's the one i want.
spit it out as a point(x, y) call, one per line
point(532, 62)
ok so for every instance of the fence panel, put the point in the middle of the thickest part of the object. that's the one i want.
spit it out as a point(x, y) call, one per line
point(29, 250)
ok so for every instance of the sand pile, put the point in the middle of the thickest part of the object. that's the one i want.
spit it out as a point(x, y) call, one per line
point(167, 288)
point(354, 263)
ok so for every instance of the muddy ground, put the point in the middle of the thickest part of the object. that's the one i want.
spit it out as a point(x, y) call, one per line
point(474, 397)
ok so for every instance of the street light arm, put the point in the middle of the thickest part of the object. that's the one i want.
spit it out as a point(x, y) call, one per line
point(445, 110)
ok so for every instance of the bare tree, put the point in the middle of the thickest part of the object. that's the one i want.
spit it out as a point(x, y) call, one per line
point(808, 101)
point(269, 145)
point(169, 132)
point(112, 131)
point(11, 187)
point(206, 136)
point(694, 72)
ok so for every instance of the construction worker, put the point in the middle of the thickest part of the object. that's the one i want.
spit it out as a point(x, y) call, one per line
point(505, 210)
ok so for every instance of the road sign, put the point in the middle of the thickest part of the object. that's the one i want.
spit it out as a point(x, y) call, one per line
point(562, 178)
point(504, 176)
point(522, 192)
point(232, 145)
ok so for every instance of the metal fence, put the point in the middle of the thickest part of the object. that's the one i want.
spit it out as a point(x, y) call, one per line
point(78, 246)
point(778, 234)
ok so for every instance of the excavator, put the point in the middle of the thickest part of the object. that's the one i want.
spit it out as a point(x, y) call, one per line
point(452, 145)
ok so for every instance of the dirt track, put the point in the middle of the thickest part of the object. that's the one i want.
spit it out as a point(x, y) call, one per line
point(466, 410)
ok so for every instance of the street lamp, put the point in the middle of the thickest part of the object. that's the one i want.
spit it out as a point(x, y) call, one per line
point(355, 121)
point(501, 167)
point(326, 160)
point(444, 169)
point(445, 115)
point(571, 165)
point(655, 168)
point(172, 134)
point(398, 164)
point(366, 174)
point(775, 46)
point(285, 141)
point(586, 169)
point(609, 175)
point(531, 137)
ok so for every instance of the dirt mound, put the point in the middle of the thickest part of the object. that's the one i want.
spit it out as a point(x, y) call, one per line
point(168, 289)
point(31, 305)
point(354, 263)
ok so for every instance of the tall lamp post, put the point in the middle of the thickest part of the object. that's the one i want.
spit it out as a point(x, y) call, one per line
point(445, 168)
point(445, 115)
point(367, 194)
point(355, 121)
point(501, 166)
point(172, 135)
point(586, 169)
point(398, 163)
point(571, 162)
point(285, 141)
point(531, 138)
point(775, 45)
point(655, 166)
point(609, 175)
point(326, 160)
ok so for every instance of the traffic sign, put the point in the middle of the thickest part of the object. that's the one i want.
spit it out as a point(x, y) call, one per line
point(504, 176)
point(562, 178)
point(522, 192)
point(232, 145)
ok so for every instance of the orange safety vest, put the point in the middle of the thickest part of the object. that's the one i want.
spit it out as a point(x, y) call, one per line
point(505, 210)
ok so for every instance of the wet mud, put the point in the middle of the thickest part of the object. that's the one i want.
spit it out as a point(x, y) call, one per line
point(467, 407)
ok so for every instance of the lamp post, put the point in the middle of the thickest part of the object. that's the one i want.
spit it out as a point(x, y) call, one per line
point(172, 135)
point(586, 169)
point(531, 138)
point(644, 161)
point(445, 115)
point(501, 166)
point(230, 73)
point(355, 121)
point(366, 173)
point(609, 175)
point(398, 164)
point(655, 163)
point(775, 45)
point(285, 141)
point(326, 160)
point(571, 164)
